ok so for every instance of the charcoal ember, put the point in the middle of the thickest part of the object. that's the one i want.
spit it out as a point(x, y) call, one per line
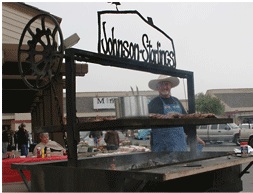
point(158, 163)
point(148, 164)
point(154, 163)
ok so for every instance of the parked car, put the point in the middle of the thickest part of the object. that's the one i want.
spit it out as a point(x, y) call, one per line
point(246, 126)
point(219, 133)
point(246, 134)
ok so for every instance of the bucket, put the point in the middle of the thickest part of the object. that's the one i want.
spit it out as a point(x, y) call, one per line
point(131, 106)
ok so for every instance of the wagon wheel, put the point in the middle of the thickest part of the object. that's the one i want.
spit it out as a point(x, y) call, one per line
point(40, 60)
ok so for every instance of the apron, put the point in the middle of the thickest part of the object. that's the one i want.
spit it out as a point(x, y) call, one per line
point(169, 139)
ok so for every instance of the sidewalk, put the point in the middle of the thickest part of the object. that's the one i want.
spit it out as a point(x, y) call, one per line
point(14, 187)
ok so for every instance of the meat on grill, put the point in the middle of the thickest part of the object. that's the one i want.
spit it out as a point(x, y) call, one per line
point(182, 116)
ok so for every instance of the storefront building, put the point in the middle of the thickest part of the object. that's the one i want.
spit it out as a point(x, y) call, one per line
point(94, 105)
point(238, 103)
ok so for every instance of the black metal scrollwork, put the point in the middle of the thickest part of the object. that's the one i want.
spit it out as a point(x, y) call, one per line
point(43, 57)
point(149, 52)
point(124, 49)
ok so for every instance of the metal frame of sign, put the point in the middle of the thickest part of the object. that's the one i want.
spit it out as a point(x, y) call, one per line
point(72, 55)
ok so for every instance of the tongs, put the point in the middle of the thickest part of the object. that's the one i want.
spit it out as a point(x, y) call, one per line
point(137, 90)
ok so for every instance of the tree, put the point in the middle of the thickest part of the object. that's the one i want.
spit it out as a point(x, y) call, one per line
point(207, 104)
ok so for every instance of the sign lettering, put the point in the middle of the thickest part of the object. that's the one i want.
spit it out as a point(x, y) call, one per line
point(104, 103)
point(148, 52)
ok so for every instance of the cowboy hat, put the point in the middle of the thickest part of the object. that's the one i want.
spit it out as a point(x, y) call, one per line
point(163, 78)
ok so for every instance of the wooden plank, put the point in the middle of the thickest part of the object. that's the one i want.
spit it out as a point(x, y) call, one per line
point(47, 111)
point(177, 171)
point(18, 14)
point(15, 21)
point(81, 69)
point(11, 34)
point(11, 77)
point(14, 32)
point(23, 12)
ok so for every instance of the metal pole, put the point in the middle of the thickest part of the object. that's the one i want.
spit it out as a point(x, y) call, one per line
point(192, 128)
point(72, 132)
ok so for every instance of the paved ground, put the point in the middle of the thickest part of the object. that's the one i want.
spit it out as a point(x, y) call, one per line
point(14, 187)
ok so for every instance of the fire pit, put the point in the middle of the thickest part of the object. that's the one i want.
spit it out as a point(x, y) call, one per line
point(147, 171)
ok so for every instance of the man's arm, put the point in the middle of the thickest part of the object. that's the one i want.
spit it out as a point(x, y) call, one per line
point(200, 141)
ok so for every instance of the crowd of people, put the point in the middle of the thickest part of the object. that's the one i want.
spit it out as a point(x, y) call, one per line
point(111, 139)
point(15, 140)
point(19, 140)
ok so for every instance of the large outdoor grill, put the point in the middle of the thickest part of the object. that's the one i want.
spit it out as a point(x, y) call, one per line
point(149, 171)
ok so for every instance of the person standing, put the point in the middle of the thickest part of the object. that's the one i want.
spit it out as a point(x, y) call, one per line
point(23, 138)
point(112, 140)
point(167, 139)
point(96, 135)
point(5, 141)
point(16, 140)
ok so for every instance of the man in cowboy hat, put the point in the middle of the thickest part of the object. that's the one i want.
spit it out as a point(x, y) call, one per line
point(164, 139)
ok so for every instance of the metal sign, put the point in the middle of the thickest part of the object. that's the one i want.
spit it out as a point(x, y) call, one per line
point(154, 46)
point(104, 103)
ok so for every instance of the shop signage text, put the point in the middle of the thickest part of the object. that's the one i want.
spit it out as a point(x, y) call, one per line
point(104, 103)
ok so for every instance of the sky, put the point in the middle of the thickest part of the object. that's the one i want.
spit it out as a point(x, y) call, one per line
point(213, 40)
